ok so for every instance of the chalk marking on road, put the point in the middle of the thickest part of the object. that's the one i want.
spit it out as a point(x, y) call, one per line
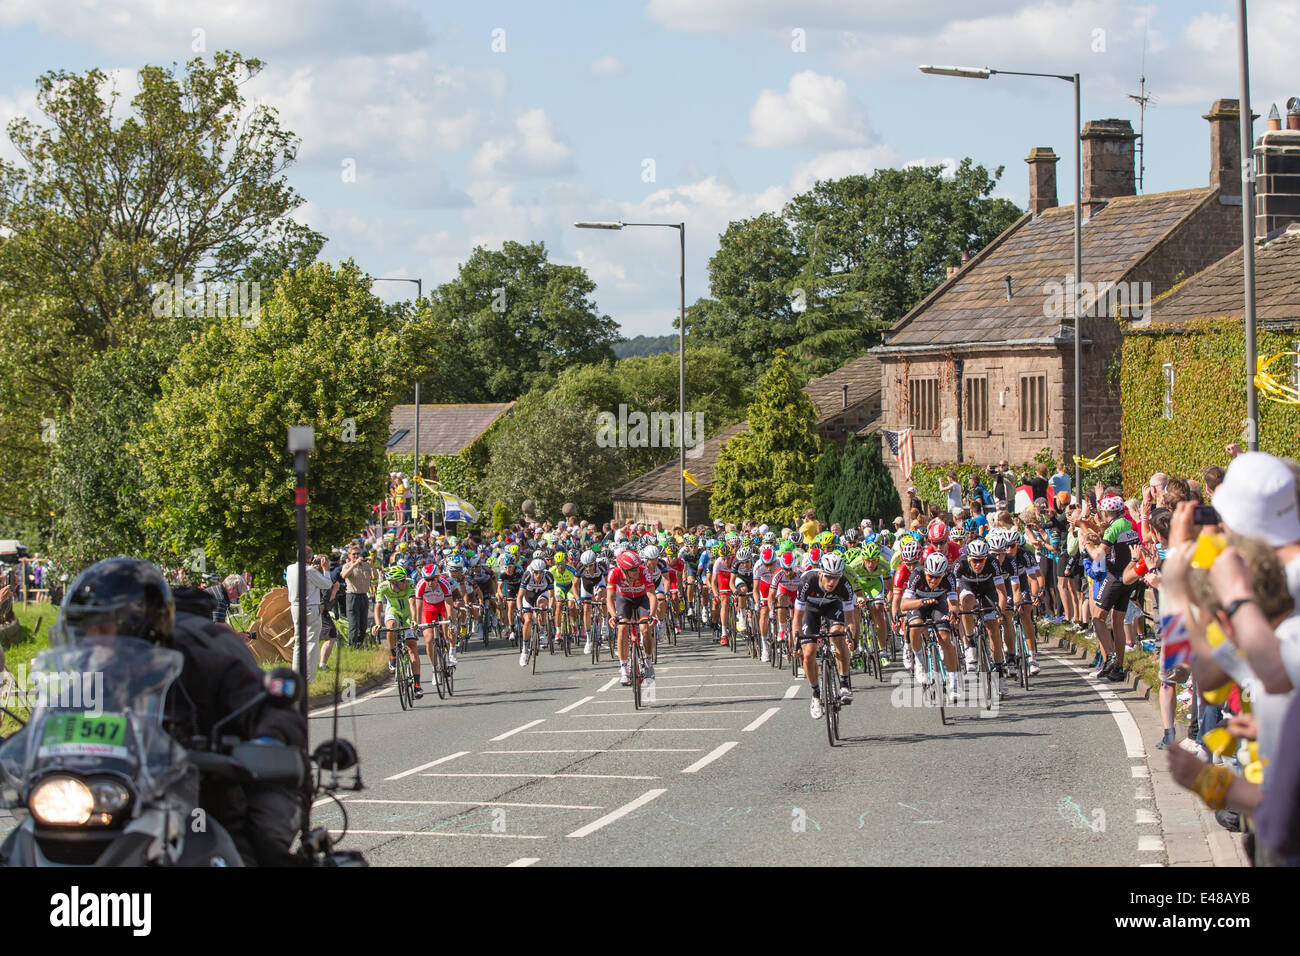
point(1128, 727)
point(758, 721)
point(711, 756)
point(482, 803)
point(426, 766)
point(792, 692)
point(549, 776)
point(1140, 794)
point(574, 706)
point(441, 833)
point(595, 750)
point(511, 733)
point(612, 681)
point(618, 814)
point(1140, 773)
point(1150, 844)
point(525, 861)
point(1146, 816)
point(630, 730)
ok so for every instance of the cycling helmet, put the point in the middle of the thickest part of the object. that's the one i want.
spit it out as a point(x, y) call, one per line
point(832, 564)
point(559, 558)
point(979, 548)
point(743, 555)
point(937, 531)
point(429, 571)
point(814, 554)
point(513, 550)
point(996, 542)
point(628, 560)
point(787, 560)
point(588, 557)
point(766, 554)
point(650, 554)
point(670, 550)
point(537, 565)
point(769, 537)
point(826, 540)
point(117, 596)
point(871, 552)
point(910, 550)
point(936, 565)
point(851, 537)
point(396, 573)
point(456, 563)
point(886, 539)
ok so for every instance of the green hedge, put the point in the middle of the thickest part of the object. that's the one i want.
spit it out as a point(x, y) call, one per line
point(927, 477)
point(1209, 393)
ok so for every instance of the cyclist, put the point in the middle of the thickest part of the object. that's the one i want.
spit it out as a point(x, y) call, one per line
point(824, 594)
point(980, 582)
point(765, 569)
point(459, 609)
point(1020, 568)
point(394, 609)
point(871, 580)
point(785, 587)
point(929, 592)
point(435, 598)
point(676, 567)
point(591, 581)
point(510, 574)
point(566, 595)
point(628, 590)
point(742, 582)
point(534, 594)
point(653, 567)
point(720, 586)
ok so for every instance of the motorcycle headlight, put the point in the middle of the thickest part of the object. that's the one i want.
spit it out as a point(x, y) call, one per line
point(110, 796)
point(64, 801)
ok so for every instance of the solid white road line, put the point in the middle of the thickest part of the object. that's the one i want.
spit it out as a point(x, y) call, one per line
point(329, 708)
point(612, 681)
point(756, 695)
point(548, 776)
point(711, 756)
point(484, 803)
point(525, 861)
point(792, 692)
point(511, 733)
point(594, 750)
point(758, 721)
point(630, 730)
point(661, 712)
point(441, 833)
point(426, 766)
point(1128, 727)
point(574, 706)
point(618, 814)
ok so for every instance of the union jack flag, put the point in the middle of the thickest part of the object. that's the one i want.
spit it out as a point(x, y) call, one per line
point(1177, 647)
point(900, 445)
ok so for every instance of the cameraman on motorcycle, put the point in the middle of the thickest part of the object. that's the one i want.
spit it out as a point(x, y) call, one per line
point(130, 597)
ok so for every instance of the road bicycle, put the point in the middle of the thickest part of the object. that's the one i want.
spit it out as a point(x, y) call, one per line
point(635, 654)
point(1022, 644)
point(565, 628)
point(827, 676)
point(936, 681)
point(541, 630)
point(867, 652)
point(443, 679)
point(404, 672)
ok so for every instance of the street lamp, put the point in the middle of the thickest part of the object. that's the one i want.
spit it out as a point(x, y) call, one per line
point(415, 485)
point(681, 339)
point(983, 73)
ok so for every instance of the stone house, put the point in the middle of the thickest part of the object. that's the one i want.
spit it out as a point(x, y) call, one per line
point(983, 367)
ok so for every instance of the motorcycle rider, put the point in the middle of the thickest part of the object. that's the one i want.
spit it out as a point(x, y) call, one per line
point(130, 597)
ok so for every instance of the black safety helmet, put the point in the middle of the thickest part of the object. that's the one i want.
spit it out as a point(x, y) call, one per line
point(118, 596)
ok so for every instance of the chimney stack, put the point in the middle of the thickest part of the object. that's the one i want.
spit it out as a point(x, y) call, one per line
point(1107, 162)
point(1042, 179)
point(1277, 181)
point(1225, 146)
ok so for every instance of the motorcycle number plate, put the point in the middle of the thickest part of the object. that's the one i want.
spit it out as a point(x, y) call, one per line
point(74, 734)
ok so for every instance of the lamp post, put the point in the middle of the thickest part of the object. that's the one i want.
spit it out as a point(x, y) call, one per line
point(983, 73)
point(1248, 229)
point(681, 340)
point(415, 485)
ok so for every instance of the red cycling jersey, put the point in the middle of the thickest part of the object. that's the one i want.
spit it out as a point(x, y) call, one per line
point(676, 570)
point(621, 584)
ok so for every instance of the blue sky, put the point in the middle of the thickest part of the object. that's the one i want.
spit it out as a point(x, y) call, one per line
point(460, 134)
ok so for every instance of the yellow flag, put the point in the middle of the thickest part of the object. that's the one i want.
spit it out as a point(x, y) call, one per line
point(691, 478)
point(1105, 458)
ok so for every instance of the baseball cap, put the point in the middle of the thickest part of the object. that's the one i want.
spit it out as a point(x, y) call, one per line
point(1257, 499)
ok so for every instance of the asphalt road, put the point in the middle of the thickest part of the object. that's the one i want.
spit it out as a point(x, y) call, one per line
point(726, 767)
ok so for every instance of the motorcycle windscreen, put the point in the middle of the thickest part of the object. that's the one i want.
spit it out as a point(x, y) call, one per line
point(97, 706)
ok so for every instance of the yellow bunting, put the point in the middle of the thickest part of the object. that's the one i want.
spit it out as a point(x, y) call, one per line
point(1271, 386)
point(1105, 458)
point(689, 477)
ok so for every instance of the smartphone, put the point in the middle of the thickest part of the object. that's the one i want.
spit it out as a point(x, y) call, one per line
point(1205, 514)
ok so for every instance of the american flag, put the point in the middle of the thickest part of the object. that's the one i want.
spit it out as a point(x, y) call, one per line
point(900, 445)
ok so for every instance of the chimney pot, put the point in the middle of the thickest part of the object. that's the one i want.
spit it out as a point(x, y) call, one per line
point(1042, 179)
point(1107, 162)
point(1293, 113)
point(1274, 118)
point(1225, 146)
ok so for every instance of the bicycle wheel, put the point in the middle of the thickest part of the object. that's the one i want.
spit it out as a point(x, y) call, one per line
point(873, 652)
point(634, 671)
point(938, 679)
point(439, 664)
point(533, 650)
point(827, 691)
point(984, 677)
point(405, 679)
point(596, 628)
point(448, 672)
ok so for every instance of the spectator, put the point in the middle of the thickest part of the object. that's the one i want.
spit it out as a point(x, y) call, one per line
point(1039, 485)
point(329, 632)
point(1060, 481)
point(952, 488)
point(1004, 481)
point(315, 582)
point(914, 502)
point(358, 575)
point(975, 489)
point(809, 528)
point(1213, 477)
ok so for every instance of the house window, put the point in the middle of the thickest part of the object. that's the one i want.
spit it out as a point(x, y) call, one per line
point(923, 402)
point(977, 403)
point(1295, 365)
point(1033, 404)
point(1168, 369)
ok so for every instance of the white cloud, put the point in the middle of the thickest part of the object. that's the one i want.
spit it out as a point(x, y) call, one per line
point(840, 163)
point(607, 67)
point(535, 149)
point(815, 110)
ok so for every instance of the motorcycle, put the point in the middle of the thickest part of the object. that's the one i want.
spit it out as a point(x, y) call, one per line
point(95, 778)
